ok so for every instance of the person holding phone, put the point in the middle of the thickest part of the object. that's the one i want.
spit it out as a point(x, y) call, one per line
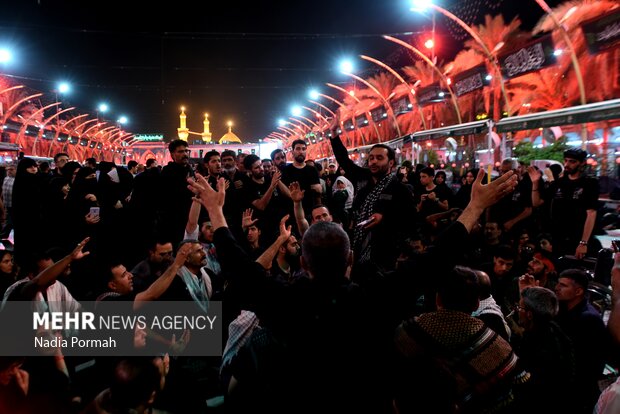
point(382, 207)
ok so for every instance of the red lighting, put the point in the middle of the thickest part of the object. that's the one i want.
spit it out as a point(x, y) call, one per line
point(429, 44)
point(466, 165)
point(432, 165)
point(497, 163)
point(453, 165)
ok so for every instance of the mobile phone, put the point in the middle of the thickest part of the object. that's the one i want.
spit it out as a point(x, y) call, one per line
point(94, 211)
point(365, 222)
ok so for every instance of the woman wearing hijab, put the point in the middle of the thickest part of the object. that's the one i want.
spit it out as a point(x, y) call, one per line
point(342, 200)
point(8, 271)
point(27, 210)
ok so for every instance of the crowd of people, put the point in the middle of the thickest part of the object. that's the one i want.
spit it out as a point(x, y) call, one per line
point(361, 289)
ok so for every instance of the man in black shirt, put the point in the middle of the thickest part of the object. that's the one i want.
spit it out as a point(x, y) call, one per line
point(512, 211)
point(305, 175)
point(573, 199)
point(176, 199)
point(383, 208)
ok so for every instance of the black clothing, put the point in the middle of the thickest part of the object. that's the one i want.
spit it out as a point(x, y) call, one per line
point(396, 204)
point(548, 355)
point(510, 206)
point(569, 201)
point(306, 177)
point(175, 201)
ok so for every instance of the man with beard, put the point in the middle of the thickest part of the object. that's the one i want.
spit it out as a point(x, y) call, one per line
point(268, 168)
point(259, 189)
point(307, 176)
point(237, 182)
point(147, 271)
point(193, 282)
point(268, 196)
point(286, 262)
point(382, 208)
point(278, 157)
point(176, 202)
point(574, 201)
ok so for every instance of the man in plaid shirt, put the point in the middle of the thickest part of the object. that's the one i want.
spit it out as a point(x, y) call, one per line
point(7, 198)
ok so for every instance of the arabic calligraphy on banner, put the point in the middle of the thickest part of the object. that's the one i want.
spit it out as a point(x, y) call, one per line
point(470, 80)
point(603, 32)
point(529, 58)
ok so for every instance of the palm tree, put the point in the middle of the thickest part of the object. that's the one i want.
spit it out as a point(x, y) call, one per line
point(598, 71)
point(436, 113)
point(385, 84)
point(475, 102)
point(496, 35)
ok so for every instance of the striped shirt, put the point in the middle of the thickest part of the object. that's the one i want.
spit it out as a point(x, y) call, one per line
point(7, 191)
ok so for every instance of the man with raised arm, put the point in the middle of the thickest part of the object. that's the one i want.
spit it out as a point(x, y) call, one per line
point(316, 329)
point(383, 208)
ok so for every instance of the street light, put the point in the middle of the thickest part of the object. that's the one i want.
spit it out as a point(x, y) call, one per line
point(317, 94)
point(421, 5)
point(376, 91)
point(571, 49)
point(5, 56)
point(441, 74)
point(410, 88)
point(64, 87)
point(352, 94)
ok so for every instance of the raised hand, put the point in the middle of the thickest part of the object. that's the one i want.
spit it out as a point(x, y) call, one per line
point(275, 179)
point(77, 253)
point(333, 123)
point(296, 193)
point(534, 173)
point(177, 347)
point(182, 254)
point(246, 219)
point(485, 195)
point(211, 199)
point(285, 231)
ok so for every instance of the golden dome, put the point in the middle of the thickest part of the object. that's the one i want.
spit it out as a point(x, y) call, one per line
point(229, 136)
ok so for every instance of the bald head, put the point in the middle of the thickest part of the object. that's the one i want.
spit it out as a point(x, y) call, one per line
point(484, 281)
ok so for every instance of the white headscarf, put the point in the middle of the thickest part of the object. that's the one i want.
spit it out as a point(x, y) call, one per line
point(348, 186)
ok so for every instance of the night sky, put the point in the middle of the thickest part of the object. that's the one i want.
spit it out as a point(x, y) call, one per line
point(243, 61)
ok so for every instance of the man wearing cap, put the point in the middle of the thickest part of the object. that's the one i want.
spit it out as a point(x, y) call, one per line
point(573, 200)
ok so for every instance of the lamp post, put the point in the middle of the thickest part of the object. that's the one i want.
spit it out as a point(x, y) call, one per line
point(102, 108)
point(315, 95)
point(435, 68)
point(356, 99)
point(122, 120)
point(420, 5)
point(300, 124)
point(410, 88)
point(571, 49)
point(376, 91)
